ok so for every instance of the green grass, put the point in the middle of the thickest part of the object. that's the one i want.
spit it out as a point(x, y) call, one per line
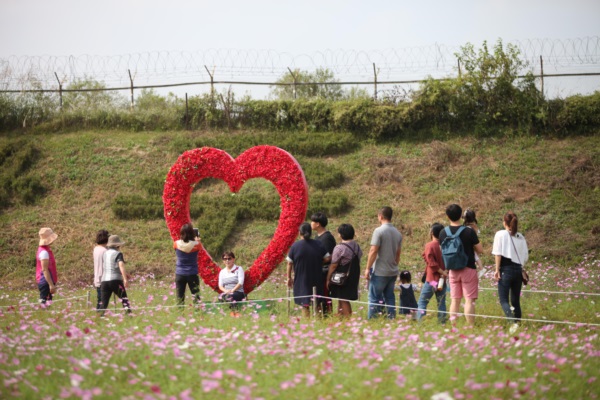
point(552, 184)
point(68, 351)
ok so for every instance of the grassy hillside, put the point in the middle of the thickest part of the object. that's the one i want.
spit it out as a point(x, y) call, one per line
point(552, 184)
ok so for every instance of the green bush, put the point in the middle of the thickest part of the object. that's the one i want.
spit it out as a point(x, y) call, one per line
point(264, 114)
point(579, 114)
point(312, 144)
point(489, 96)
point(321, 175)
point(27, 189)
point(330, 202)
point(16, 183)
point(217, 216)
point(154, 186)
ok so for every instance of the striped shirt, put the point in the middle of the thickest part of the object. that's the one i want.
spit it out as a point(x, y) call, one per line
point(111, 259)
point(229, 279)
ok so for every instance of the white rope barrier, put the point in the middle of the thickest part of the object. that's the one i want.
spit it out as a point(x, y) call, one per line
point(42, 308)
point(548, 292)
point(287, 298)
point(38, 303)
point(281, 299)
point(474, 315)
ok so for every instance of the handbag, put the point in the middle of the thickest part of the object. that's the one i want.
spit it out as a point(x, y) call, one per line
point(524, 275)
point(339, 278)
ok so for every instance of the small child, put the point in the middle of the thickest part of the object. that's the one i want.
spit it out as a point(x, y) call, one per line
point(114, 276)
point(433, 259)
point(470, 221)
point(407, 295)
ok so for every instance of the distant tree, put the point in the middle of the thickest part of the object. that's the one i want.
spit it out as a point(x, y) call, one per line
point(356, 92)
point(94, 99)
point(319, 84)
point(495, 90)
point(491, 86)
point(148, 99)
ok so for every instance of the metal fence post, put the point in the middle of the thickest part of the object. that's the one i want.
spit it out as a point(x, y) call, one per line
point(59, 91)
point(542, 74)
point(131, 81)
point(375, 82)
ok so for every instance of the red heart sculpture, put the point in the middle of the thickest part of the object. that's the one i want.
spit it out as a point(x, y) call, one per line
point(268, 162)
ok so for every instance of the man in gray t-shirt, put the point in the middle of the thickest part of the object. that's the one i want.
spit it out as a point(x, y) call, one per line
point(384, 256)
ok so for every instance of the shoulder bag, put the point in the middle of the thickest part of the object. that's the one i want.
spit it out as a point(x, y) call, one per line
point(523, 272)
point(339, 278)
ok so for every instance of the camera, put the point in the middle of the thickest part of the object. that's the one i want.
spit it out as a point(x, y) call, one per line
point(196, 232)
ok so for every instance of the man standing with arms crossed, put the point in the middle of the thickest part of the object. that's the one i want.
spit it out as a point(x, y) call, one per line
point(463, 282)
point(384, 256)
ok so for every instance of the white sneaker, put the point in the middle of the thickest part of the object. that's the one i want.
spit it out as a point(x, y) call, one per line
point(513, 328)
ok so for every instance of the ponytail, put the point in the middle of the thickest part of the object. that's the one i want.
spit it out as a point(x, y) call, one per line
point(511, 220)
point(305, 230)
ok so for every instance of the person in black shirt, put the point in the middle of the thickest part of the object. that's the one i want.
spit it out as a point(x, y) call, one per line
point(318, 222)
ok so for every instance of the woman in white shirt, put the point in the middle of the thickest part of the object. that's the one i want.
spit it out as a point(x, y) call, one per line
point(511, 254)
point(231, 281)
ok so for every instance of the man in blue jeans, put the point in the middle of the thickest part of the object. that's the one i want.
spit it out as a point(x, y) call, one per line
point(382, 266)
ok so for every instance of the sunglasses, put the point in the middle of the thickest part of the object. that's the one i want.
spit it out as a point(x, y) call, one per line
point(227, 258)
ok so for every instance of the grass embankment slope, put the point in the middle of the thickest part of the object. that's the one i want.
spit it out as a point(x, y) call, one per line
point(552, 184)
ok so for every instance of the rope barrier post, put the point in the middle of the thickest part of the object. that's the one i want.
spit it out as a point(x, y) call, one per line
point(89, 302)
point(289, 289)
point(314, 301)
point(131, 87)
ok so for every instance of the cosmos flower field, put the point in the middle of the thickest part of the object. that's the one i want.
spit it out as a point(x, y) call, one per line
point(163, 352)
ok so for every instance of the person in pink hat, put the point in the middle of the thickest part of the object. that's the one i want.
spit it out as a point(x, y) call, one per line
point(45, 266)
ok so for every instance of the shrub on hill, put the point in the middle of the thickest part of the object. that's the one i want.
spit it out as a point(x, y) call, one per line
point(311, 144)
point(16, 185)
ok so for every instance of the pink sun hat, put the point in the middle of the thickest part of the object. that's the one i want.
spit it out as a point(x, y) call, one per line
point(47, 236)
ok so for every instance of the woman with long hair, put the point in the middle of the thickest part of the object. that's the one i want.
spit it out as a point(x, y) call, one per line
point(186, 267)
point(511, 253)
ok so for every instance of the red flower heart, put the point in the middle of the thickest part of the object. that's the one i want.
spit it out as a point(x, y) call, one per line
point(268, 162)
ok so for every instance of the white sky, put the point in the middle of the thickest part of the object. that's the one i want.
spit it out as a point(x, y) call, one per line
point(117, 27)
point(110, 27)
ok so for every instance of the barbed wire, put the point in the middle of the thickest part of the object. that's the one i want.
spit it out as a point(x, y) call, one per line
point(167, 67)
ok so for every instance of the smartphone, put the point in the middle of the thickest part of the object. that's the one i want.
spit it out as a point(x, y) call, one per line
point(196, 232)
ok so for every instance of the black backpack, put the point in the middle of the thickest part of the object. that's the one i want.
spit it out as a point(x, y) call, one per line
point(453, 251)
